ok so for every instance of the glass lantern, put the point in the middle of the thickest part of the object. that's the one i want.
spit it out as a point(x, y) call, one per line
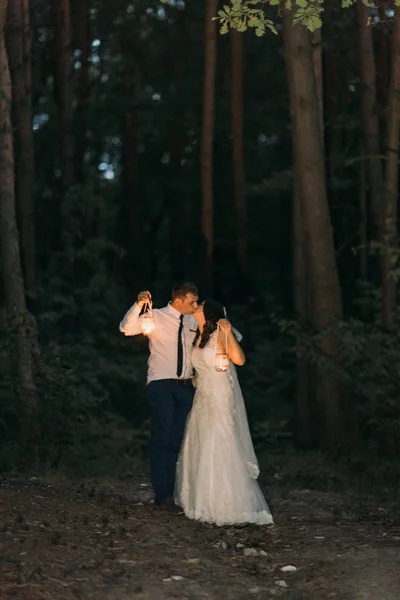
point(221, 362)
point(147, 321)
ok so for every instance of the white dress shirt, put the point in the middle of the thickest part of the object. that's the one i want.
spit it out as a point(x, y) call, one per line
point(163, 341)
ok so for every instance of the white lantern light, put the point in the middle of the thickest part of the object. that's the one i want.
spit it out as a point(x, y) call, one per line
point(222, 358)
point(221, 361)
point(147, 321)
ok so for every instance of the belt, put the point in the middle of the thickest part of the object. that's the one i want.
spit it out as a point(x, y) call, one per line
point(181, 381)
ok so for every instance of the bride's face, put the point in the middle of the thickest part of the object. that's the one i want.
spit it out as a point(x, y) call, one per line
point(199, 314)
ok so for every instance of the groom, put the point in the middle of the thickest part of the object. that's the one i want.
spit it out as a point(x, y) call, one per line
point(169, 387)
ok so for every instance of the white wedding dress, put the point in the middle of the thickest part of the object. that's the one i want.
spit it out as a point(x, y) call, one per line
point(217, 468)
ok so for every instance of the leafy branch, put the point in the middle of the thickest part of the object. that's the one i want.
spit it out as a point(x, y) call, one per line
point(241, 15)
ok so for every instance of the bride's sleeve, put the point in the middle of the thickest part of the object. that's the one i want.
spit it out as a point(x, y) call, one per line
point(237, 335)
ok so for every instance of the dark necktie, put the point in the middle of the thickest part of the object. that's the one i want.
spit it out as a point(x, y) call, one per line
point(180, 348)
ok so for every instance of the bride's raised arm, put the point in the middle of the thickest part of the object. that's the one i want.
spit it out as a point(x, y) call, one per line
point(228, 341)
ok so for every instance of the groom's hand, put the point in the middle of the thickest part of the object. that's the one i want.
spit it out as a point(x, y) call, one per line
point(143, 298)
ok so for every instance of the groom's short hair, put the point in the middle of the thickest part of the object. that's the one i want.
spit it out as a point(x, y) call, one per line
point(180, 290)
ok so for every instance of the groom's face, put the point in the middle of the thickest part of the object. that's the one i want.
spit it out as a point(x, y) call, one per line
point(188, 304)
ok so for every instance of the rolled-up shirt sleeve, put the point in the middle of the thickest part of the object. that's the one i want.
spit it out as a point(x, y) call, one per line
point(131, 323)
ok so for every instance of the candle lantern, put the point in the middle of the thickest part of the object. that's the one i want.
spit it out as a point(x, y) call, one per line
point(221, 358)
point(221, 361)
point(147, 321)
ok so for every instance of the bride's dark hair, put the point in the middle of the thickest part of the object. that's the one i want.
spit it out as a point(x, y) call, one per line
point(213, 312)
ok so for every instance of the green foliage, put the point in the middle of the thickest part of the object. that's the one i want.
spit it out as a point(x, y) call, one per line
point(245, 14)
point(368, 362)
point(242, 15)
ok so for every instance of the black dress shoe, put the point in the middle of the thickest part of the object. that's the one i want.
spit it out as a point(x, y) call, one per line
point(170, 507)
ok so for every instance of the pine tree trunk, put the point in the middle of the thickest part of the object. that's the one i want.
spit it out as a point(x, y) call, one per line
point(210, 61)
point(131, 83)
point(237, 41)
point(362, 195)
point(316, 41)
point(384, 51)
point(83, 44)
point(324, 280)
point(63, 78)
point(174, 199)
point(370, 119)
point(11, 268)
point(389, 288)
point(18, 47)
point(3, 16)
point(333, 66)
point(304, 395)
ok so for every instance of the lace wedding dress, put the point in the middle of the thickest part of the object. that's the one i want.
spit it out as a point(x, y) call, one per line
point(217, 468)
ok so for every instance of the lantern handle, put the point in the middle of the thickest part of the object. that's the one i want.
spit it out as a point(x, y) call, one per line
point(216, 343)
point(149, 304)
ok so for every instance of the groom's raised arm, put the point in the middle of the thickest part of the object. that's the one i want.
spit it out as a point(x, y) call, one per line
point(130, 324)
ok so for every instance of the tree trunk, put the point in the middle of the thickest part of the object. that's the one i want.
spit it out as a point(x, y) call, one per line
point(63, 78)
point(18, 47)
point(210, 60)
point(305, 374)
point(389, 289)
point(383, 39)
point(333, 67)
point(304, 435)
point(362, 194)
point(324, 280)
point(316, 41)
point(3, 16)
point(11, 268)
point(238, 151)
point(370, 119)
point(131, 83)
point(83, 44)
point(177, 242)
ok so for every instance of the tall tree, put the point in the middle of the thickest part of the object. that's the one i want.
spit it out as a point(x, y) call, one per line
point(3, 14)
point(370, 117)
point(13, 283)
point(316, 41)
point(305, 390)
point(333, 82)
point(131, 90)
point(64, 88)
point(304, 396)
point(237, 41)
point(363, 207)
point(210, 60)
point(324, 281)
point(83, 42)
point(18, 48)
point(389, 289)
point(383, 46)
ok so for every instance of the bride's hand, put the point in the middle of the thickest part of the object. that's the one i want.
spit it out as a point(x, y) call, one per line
point(225, 326)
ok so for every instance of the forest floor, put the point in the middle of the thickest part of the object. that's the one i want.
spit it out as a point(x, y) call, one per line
point(103, 540)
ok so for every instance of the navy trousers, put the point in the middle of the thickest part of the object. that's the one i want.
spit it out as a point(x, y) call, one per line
point(170, 404)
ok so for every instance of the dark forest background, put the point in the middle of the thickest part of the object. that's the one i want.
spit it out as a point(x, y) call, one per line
point(147, 148)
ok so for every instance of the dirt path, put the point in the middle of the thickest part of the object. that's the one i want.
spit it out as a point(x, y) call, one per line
point(106, 542)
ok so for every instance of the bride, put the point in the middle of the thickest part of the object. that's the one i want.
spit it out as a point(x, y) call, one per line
point(217, 468)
